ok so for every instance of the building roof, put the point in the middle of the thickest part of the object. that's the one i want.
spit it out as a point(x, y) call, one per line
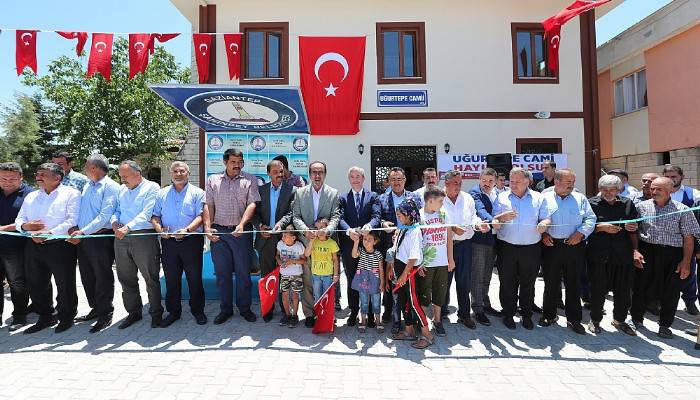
point(671, 20)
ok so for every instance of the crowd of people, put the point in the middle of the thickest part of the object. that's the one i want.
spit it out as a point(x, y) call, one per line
point(400, 250)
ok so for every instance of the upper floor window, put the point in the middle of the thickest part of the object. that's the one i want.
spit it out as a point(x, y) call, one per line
point(400, 52)
point(530, 53)
point(631, 92)
point(265, 57)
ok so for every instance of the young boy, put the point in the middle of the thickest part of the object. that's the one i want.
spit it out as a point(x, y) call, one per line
point(290, 257)
point(325, 266)
point(437, 254)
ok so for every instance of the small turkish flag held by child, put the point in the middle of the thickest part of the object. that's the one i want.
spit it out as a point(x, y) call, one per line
point(25, 54)
point(233, 53)
point(552, 27)
point(202, 52)
point(100, 61)
point(325, 312)
point(82, 39)
point(268, 287)
point(138, 53)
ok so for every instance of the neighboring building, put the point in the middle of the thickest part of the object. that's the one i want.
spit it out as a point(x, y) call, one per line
point(649, 89)
point(481, 63)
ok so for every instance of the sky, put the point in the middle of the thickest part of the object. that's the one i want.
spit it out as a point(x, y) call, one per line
point(162, 16)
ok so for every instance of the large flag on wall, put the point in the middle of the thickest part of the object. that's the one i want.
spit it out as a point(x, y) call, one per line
point(552, 26)
point(332, 70)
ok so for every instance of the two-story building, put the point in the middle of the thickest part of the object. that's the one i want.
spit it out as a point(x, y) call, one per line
point(481, 64)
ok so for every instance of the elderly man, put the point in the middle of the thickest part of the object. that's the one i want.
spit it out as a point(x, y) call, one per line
point(521, 218)
point(71, 178)
point(389, 201)
point(430, 178)
point(573, 221)
point(549, 167)
point(133, 253)
point(272, 213)
point(666, 246)
point(178, 212)
point(687, 196)
point(311, 203)
point(461, 211)
point(13, 191)
point(231, 198)
point(51, 210)
point(359, 212)
point(96, 254)
point(612, 254)
point(483, 247)
point(645, 193)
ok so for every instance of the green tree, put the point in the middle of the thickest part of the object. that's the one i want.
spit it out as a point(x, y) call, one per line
point(21, 139)
point(122, 119)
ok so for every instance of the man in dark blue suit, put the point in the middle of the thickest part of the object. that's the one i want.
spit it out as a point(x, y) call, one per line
point(359, 211)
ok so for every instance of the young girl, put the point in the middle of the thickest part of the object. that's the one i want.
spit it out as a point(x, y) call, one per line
point(290, 257)
point(369, 279)
point(408, 256)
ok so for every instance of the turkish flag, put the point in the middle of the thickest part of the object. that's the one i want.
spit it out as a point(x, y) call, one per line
point(100, 60)
point(161, 37)
point(332, 70)
point(553, 24)
point(233, 53)
point(202, 52)
point(325, 312)
point(25, 52)
point(138, 53)
point(268, 288)
point(82, 39)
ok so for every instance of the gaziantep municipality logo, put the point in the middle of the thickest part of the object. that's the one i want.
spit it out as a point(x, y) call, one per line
point(215, 142)
point(258, 143)
point(300, 143)
point(241, 111)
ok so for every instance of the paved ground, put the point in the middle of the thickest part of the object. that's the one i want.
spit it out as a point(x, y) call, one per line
point(260, 361)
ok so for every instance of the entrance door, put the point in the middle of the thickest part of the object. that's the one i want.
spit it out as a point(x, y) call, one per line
point(413, 159)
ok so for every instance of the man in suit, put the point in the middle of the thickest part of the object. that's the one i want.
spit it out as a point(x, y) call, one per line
point(311, 203)
point(359, 211)
point(272, 213)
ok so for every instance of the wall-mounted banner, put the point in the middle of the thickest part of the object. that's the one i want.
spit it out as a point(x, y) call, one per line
point(402, 98)
point(238, 108)
point(472, 164)
point(258, 149)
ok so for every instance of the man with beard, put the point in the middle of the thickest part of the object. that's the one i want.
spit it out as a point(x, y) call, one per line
point(645, 193)
point(430, 178)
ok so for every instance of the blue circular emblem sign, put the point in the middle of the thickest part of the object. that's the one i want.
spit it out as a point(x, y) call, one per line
point(241, 111)
point(215, 142)
point(300, 143)
point(258, 143)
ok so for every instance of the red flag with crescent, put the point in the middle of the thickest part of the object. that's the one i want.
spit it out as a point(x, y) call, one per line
point(324, 309)
point(100, 61)
point(202, 52)
point(138, 53)
point(82, 39)
point(268, 288)
point(553, 24)
point(25, 52)
point(161, 37)
point(233, 53)
point(331, 75)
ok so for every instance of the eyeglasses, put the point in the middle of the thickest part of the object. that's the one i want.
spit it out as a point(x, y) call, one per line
point(397, 179)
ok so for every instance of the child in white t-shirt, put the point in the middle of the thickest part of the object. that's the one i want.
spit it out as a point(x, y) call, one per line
point(290, 257)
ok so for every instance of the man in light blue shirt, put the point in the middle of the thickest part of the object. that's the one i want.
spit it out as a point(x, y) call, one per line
point(179, 211)
point(96, 255)
point(572, 221)
point(520, 219)
point(135, 253)
point(70, 177)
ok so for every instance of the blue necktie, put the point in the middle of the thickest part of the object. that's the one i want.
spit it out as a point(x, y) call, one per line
point(357, 204)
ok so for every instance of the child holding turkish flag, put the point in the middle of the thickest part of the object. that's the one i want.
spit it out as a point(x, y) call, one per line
point(290, 257)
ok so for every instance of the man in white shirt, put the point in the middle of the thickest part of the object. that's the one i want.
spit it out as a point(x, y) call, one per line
point(51, 210)
point(461, 211)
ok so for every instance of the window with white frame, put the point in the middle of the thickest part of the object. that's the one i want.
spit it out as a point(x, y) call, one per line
point(631, 92)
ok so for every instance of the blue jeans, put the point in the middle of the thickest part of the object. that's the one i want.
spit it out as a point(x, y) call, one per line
point(321, 284)
point(376, 303)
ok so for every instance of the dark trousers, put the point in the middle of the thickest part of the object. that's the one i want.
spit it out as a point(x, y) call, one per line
point(518, 270)
point(690, 288)
point(462, 253)
point(406, 298)
point(136, 254)
point(178, 257)
point(569, 261)
point(95, 259)
point(608, 274)
point(55, 258)
point(350, 266)
point(232, 255)
point(12, 268)
point(658, 280)
point(267, 252)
